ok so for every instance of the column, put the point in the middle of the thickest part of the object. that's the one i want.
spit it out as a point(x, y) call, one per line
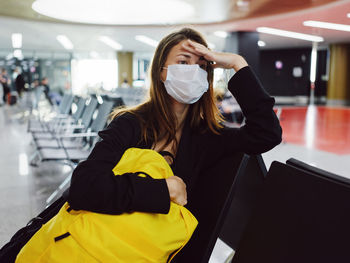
point(246, 45)
point(125, 61)
point(338, 88)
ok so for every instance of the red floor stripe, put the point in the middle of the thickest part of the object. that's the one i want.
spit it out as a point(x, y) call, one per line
point(319, 127)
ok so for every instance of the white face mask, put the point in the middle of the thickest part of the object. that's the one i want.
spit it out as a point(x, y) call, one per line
point(186, 83)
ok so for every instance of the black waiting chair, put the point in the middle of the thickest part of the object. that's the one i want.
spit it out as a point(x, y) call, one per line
point(303, 215)
point(62, 121)
point(82, 124)
point(317, 171)
point(211, 209)
point(47, 123)
point(248, 188)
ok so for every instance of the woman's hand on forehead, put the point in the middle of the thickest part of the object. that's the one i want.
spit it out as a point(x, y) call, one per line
point(197, 49)
point(220, 59)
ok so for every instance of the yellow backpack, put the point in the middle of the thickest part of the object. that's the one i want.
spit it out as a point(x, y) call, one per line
point(83, 236)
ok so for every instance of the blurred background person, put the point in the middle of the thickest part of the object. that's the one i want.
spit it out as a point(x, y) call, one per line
point(46, 89)
point(19, 81)
point(5, 82)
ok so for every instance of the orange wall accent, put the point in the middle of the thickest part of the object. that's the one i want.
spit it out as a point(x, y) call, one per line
point(125, 60)
point(339, 78)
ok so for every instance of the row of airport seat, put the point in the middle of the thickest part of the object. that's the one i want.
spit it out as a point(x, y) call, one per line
point(302, 215)
point(67, 137)
point(293, 213)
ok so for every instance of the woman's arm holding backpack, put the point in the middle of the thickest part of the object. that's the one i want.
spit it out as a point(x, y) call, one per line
point(95, 188)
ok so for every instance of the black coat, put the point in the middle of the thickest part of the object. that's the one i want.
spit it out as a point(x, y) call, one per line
point(95, 188)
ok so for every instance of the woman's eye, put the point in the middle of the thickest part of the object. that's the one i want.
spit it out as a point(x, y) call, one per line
point(182, 62)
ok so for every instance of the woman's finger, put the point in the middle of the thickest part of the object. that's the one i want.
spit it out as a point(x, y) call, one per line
point(195, 44)
point(203, 50)
point(191, 49)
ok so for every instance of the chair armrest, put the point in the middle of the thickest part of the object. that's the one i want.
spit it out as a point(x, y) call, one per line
point(78, 135)
point(75, 126)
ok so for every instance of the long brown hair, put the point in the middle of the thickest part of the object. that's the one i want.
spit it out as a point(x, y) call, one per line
point(156, 115)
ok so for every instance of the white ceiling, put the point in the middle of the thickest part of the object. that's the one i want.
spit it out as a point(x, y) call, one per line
point(41, 36)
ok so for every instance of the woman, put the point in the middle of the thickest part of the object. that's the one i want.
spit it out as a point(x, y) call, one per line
point(181, 121)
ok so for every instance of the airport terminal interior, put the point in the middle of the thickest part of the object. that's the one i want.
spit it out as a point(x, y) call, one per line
point(65, 64)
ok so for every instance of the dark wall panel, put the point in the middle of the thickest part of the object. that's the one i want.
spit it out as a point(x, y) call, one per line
point(248, 48)
point(276, 71)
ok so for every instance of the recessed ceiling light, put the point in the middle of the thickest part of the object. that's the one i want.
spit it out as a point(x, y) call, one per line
point(65, 42)
point(116, 12)
point(222, 34)
point(327, 25)
point(16, 40)
point(285, 33)
point(110, 42)
point(147, 40)
point(261, 43)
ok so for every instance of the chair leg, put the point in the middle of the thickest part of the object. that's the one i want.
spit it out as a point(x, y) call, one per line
point(34, 159)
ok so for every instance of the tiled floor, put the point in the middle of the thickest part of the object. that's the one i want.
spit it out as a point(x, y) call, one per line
point(319, 136)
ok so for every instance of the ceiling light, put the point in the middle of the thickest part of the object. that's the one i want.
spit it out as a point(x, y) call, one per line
point(348, 15)
point(327, 25)
point(222, 34)
point(65, 42)
point(110, 42)
point(17, 40)
point(147, 40)
point(261, 43)
point(114, 12)
point(284, 33)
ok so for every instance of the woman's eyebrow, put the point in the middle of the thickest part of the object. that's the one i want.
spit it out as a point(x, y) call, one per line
point(185, 55)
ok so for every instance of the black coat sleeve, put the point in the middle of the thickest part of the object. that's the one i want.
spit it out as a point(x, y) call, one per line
point(262, 130)
point(95, 188)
